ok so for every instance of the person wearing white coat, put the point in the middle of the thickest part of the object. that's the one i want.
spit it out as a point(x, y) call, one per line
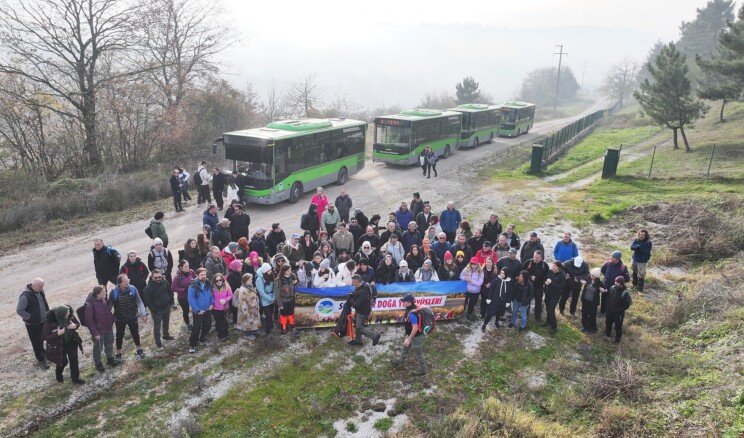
point(426, 272)
point(323, 276)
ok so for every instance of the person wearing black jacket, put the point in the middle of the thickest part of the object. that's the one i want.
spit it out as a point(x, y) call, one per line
point(576, 271)
point(218, 186)
point(361, 301)
point(538, 271)
point(492, 229)
point(275, 237)
point(309, 221)
point(106, 262)
point(422, 219)
point(498, 296)
point(32, 308)
point(555, 282)
point(239, 222)
point(530, 246)
point(512, 238)
point(522, 297)
point(222, 236)
point(158, 297)
point(386, 270)
point(590, 301)
point(239, 181)
point(618, 301)
point(416, 205)
point(175, 184)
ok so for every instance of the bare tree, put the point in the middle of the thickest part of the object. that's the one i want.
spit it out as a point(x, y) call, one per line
point(275, 106)
point(342, 106)
point(182, 38)
point(58, 44)
point(621, 80)
point(303, 95)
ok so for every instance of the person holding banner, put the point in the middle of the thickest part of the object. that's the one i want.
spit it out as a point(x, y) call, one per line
point(414, 339)
point(361, 301)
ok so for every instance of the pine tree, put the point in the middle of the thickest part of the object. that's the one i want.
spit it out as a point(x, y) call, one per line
point(724, 73)
point(467, 91)
point(668, 100)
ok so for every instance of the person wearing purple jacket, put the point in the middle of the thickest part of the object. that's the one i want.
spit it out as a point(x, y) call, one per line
point(180, 286)
point(100, 322)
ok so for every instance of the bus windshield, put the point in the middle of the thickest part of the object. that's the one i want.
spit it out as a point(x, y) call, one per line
point(253, 162)
point(393, 135)
point(510, 117)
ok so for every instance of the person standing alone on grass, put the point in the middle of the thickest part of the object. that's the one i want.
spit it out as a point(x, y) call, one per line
point(32, 308)
point(361, 301)
point(125, 300)
point(414, 337)
point(641, 248)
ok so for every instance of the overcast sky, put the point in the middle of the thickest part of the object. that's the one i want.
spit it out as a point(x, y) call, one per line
point(386, 52)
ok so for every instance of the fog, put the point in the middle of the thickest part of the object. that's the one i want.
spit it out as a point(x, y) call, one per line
point(392, 53)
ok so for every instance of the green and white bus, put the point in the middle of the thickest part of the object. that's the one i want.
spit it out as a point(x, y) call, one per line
point(516, 118)
point(480, 123)
point(400, 138)
point(287, 158)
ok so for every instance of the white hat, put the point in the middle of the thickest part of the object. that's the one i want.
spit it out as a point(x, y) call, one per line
point(157, 241)
point(403, 263)
point(578, 261)
point(265, 268)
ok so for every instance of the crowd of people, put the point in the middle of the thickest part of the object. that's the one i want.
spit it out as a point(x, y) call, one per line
point(250, 280)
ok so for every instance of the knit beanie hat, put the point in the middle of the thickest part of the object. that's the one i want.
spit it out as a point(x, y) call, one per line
point(325, 264)
point(448, 255)
point(232, 246)
point(460, 254)
point(265, 268)
point(236, 265)
point(617, 255)
point(620, 279)
point(157, 241)
point(596, 272)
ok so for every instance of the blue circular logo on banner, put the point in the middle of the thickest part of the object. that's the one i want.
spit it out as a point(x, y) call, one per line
point(325, 307)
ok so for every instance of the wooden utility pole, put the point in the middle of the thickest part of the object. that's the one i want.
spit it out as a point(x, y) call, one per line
point(558, 79)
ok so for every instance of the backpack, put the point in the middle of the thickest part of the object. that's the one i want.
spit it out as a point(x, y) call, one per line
point(372, 294)
point(148, 231)
point(426, 322)
point(197, 178)
point(113, 252)
point(81, 315)
point(116, 293)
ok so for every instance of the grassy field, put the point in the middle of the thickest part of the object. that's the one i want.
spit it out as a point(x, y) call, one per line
point(679, 370)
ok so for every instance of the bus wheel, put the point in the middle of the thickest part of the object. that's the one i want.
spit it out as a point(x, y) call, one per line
point(295, 192)
point(343, 176)
point(446, 151)
point(490, 140)
point(477, 142)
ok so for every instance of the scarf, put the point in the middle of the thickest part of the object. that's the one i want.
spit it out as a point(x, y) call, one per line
point(61, 313)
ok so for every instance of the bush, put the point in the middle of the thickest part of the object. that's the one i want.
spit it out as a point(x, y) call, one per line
point(620, 378)
point(712, 298)
point(617, 421)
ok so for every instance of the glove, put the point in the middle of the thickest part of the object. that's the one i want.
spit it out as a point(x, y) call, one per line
point(488, 301)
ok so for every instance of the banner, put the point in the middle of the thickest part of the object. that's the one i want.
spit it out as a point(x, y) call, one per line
point(327, 308)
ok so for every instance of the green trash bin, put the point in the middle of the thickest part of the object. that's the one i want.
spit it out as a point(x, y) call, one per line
point(611, 160)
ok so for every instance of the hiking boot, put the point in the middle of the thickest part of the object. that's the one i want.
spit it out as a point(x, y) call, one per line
point(616, 341)
point(376, 339)
point(140, 353)
point(419, 372)
point(355, 342)
point(118, 357)
point(583, 329)
point(202, 342)
point(396, 362)
point(192, 350)
point(169, 338)
point(59, 377)
point(250, 337)
point(483, 328)
point(189, 327)
point(100, 367)
point(43, 364)
point(521, 329)
point(553, 331)
point(159, 347)
point(79, 382)
point(111, 362)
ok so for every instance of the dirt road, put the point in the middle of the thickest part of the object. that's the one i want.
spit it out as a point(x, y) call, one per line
point(65, 262)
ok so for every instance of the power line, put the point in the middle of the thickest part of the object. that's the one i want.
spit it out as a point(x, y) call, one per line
point(558, 79)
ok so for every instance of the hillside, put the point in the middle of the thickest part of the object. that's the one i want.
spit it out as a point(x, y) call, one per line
point(679, 370)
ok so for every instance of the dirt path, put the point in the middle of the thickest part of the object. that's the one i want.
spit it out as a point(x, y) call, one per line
point(65, 262)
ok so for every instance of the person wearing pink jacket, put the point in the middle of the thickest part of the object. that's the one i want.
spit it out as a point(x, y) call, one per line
point(222, 298)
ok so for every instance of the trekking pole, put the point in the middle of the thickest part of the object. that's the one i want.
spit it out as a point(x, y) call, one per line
point(711, 159)
point(652, 162)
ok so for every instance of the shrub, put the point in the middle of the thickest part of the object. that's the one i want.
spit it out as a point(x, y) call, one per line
point(712, 298)
point(618, 421)
point(620, 378)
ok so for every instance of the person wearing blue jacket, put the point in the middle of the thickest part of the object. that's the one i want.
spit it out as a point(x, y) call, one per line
point(403, 216)
point(265, 288)
point(210, 217)
point(450, 220)
point(566, 249)
point(641, 248)
point(201, 301)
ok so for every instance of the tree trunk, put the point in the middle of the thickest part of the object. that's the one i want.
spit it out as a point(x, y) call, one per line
point(723, 105)
point(684, 137)
point(676, 145)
